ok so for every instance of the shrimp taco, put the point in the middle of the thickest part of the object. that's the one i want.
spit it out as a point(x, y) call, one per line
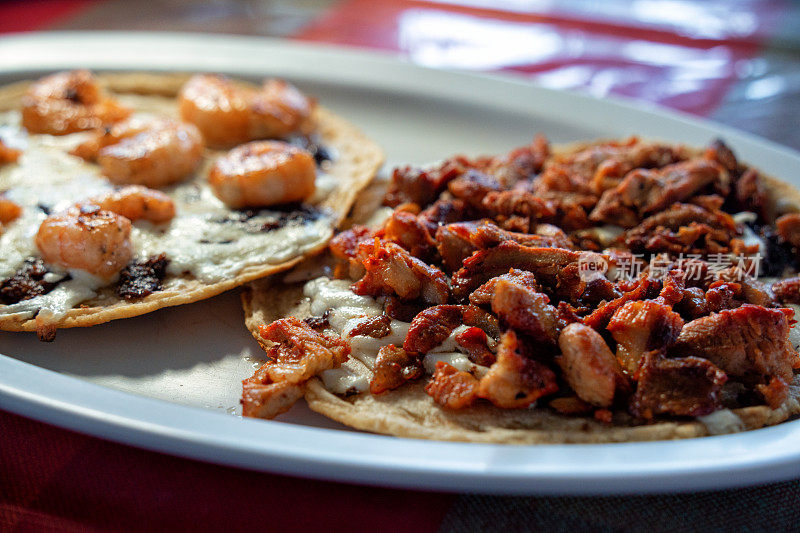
point(121, 194)
point(601, 292)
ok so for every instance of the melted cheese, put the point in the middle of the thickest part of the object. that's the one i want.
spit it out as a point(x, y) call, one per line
point(53, 305)
point(346, 310)
point(202, 240)
point(722, 422)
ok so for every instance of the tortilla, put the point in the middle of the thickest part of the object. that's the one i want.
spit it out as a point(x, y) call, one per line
point(357, 159)
point(409, 411)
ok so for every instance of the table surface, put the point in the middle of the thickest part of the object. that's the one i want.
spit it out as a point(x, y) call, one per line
point(735, 62)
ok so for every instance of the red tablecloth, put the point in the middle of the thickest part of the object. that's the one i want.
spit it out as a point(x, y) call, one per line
point(732, 61)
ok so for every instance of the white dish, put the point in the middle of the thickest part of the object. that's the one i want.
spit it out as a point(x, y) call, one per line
point(169, 381)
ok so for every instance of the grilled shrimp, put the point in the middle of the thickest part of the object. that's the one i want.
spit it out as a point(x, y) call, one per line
point(9, 211)
point(153, 153)
point(228, 114)
point(86, 238)
point(263, 173)
point(67, 102)
point(8, 154)
point(136, 202)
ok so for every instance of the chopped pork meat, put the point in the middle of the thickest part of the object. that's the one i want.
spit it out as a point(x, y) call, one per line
point(452, 388)
point(516, 380)
point(788, 290)
point(526, 311)
point(750, 342)
point(431, 327)
point(644, 192)
point(390, 269)
point(589, 366)
point(393, 367)
point(300, 352)
point(642, 326)
point(687, 386)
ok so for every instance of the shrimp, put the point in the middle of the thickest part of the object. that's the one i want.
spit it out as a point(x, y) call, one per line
point(136, 202)
point(67, 102)
point(229, 114)
point(263, 173)
point(8, 154)
point(153, 153)
point(88, 239)
point(9, 211)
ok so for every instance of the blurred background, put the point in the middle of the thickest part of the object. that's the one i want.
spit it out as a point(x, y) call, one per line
point(735, 61)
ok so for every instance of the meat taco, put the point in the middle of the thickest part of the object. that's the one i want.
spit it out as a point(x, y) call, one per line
point(600, 292)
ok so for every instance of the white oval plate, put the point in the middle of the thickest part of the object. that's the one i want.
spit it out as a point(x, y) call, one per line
point(169, 381)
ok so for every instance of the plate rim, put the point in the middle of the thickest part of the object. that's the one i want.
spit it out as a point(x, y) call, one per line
point(721, 462)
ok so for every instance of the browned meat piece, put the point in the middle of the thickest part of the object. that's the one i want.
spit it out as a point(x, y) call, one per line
point(452, 388)
point(345, 244)
point(484, 294)
point(673, 288)
point(472, 186)
point(521, 163)
point(787, 290)
point(431, 327)
point(619, 162)
point(789, 228)
point(522, 203)
point(475, 342)
point(606, 164)
point(487, 234)
point(589, 366)
point(477, 317)
point(642, 326)
point(393, 367)
point(515, 380)
point(683, 228)
point(693, 304)
point(453, 244)
point(301, 352)
point(8, 154)
point(487, 264)
point(688, 386)
point(643, 288)
point(415, 185)
point(392, 270)
point(597, 290)
point(406, 230)
point(644, 192)
point(751, 195)
point(376, 326)
point(560, 178)
point(775, 393)
point(723, 295)
point(752, 290)
point(446, 211)
point(526, 311)
point(521, 210)
point(268, 400)
point(749, 343)
point(720, 153)
point(456, 242)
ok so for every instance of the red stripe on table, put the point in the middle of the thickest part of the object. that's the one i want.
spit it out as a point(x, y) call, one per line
point(38, 14)
point(642, 61)
point(60, 479)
